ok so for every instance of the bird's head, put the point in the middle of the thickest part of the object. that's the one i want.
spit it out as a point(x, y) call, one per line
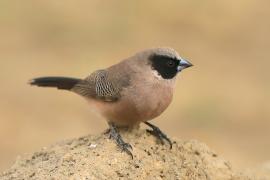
point(166, 62)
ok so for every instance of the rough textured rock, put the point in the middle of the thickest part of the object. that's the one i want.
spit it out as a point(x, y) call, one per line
point(97, 157)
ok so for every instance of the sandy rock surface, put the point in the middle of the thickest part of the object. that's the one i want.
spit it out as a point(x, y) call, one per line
point(97, 157)
point(260, 172)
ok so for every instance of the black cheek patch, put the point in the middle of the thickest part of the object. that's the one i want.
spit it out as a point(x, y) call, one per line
point(160, 64)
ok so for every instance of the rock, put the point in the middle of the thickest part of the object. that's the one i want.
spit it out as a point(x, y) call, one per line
point(97, 157)
point(261, 172)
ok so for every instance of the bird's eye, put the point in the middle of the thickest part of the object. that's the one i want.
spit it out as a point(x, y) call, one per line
point(170, 63)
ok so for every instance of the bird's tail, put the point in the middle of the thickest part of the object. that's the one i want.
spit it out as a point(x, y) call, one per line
point(57, 82)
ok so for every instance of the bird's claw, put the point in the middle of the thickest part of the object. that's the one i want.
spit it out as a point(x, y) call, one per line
point(114, 134)
point(125, 147)
point(158, 133)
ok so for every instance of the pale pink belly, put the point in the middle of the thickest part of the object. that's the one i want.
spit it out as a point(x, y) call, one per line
point(134, 108)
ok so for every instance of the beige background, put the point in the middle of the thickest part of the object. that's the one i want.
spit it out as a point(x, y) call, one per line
point(223, 100)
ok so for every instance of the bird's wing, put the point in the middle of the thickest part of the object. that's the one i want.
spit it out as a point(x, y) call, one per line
point(100, 85)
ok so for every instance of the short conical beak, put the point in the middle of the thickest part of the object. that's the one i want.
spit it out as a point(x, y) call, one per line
point(184, 64)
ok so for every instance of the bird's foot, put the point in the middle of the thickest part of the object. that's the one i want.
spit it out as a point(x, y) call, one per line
point(114, 134)
point(158, 133)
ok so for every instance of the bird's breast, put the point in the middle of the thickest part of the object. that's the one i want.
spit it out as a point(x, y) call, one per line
point(152, 100)
point(138, 103)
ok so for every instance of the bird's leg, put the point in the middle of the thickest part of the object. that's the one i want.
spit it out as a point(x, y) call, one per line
point(114, 134)
point(158, 133)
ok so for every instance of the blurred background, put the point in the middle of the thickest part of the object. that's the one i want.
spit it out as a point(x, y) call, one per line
point(223, 100)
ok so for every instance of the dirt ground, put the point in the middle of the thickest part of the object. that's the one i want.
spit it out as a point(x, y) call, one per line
point(97, 157)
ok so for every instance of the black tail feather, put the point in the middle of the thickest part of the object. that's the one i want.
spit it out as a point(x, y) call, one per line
point(58, 82)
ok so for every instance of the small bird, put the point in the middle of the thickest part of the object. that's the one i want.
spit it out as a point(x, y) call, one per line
point(133, 91)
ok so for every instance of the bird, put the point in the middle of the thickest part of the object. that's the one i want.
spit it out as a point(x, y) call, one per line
point(133, 91)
